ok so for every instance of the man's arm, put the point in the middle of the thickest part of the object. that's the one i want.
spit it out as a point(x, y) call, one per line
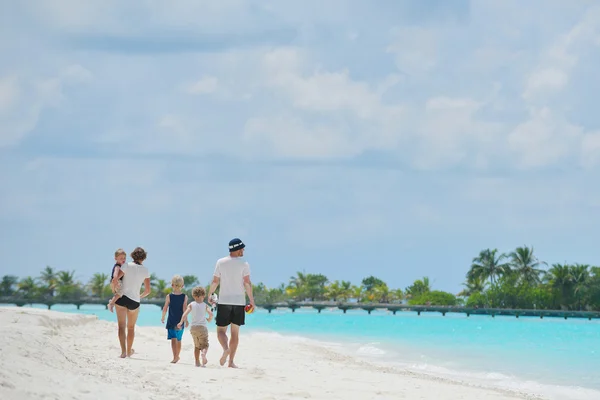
point(213, 286)
point(248, 287)
point(210, 314)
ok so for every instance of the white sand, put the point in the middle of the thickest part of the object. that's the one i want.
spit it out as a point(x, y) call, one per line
point(52, 355)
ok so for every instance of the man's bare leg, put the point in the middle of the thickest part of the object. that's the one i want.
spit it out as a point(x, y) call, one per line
point(222, 336)
point(122, 323)
point(233, 344)
point(132, 317)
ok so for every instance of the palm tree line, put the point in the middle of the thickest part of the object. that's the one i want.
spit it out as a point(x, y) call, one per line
point(504, 280)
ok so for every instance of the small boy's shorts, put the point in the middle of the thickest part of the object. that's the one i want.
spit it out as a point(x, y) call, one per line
point(200, 336)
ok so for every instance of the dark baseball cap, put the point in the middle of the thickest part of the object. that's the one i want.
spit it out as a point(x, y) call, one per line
point(236, 244)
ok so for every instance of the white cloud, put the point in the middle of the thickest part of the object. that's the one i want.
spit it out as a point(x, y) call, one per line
point(415, 49)
point(590, 150)
point(23, 98)
point(205, 85)
point(544, 139)
point(558, 62)
point(288, 137)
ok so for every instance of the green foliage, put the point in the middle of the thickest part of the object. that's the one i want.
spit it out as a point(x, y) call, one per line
point(434, 298)
point(500, 280)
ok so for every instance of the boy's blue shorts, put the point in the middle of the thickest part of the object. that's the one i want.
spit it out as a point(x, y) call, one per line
point(175, 334)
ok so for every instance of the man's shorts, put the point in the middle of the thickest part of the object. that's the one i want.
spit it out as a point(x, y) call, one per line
point(175, 334)
point(229, 314)
point(200, 335)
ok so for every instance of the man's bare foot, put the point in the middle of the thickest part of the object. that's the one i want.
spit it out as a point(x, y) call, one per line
point(175, 360)
point(224, 357)
point(204, 360)
point(131, 353)
point(123, 355)
point(197, 363)
point(232, 365)
point(111, 307)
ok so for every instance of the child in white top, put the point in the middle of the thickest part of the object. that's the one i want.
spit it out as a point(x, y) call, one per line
point(198, 327)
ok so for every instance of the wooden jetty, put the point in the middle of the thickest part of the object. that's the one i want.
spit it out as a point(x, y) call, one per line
point(320, 306)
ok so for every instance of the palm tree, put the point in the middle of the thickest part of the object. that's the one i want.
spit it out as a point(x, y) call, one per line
point(97, 284)
point(475, 285)
point(7, 285)
point(488, 265)
point(334, 291)
point(298, 286)
point(28, 287)
point(65, 284)
point(316, 286)
point(189, 281)
point(419, 287)
point(559, 278)
point(526, 265)
point(160, 288)
point(345, 291)
point(581, 276)
point(49, 279)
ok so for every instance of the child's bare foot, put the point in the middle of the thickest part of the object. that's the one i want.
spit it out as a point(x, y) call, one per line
point(131, 353)
point(123, 355)
point(224, 357)
point(204, 360)
point(232, 365)
point(197, 363)
point(175, 360)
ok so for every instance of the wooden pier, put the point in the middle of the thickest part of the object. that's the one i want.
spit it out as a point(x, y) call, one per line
point(320, 306)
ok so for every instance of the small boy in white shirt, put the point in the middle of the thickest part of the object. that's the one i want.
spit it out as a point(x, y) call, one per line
point(198, 327)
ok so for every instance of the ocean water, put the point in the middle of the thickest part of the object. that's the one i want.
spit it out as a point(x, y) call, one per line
point(557, 358)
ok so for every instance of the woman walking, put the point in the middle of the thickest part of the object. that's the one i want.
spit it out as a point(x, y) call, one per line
point(128, 306)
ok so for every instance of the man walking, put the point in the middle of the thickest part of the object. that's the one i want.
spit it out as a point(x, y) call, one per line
point(232, 274)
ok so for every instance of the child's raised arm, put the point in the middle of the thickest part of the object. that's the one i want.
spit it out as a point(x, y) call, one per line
point(165, 308)
point(184, 316)
point(210, 314)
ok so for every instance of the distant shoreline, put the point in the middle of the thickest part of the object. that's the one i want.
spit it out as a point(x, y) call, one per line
point(344, 306)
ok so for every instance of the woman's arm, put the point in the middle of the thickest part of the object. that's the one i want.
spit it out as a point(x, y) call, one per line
point(147, 288)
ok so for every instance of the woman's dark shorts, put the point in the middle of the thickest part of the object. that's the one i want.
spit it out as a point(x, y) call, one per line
point(126, 302)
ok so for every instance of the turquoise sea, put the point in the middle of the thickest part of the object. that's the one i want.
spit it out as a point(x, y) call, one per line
point(554, 357)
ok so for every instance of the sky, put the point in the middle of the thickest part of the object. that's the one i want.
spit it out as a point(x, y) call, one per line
point(348, 138)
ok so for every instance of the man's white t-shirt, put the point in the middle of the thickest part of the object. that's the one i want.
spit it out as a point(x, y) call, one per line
point(231, 271)
point(135, 275)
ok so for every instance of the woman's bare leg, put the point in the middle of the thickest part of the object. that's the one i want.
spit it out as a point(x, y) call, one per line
point(122, 324)
point(132, 317)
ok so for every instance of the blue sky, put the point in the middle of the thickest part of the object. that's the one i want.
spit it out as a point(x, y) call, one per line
point(336, 137)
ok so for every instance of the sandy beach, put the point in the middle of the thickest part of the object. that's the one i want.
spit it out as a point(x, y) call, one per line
point(52, 355)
